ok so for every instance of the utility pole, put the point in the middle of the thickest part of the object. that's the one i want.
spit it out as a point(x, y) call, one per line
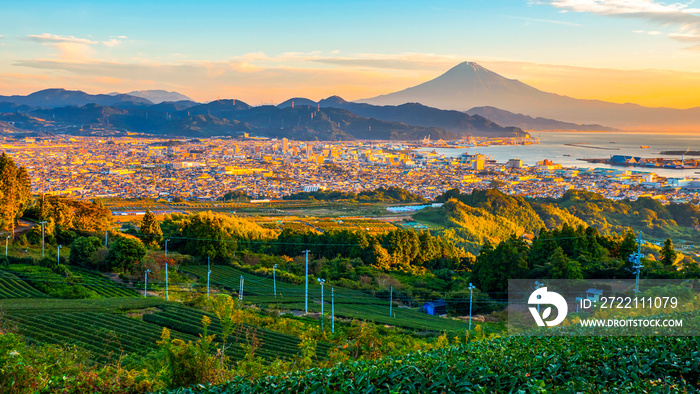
point(636, 260)
point(145, 284)
point(306, 285)
point(208, 275)
point(166, 270)
point(332, 310)
point(391, 298)
point(7, 242)
point(106, 232)
point(471, 292)
point(42, 237)
point(240, 291)
point(321, 281)
point(58, 256)
point(274, 280)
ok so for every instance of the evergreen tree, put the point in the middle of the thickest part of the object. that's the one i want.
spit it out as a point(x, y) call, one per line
point(668, 254)
point(563, 267)
point(628, 246)
point(150, 228)
point(15, 192)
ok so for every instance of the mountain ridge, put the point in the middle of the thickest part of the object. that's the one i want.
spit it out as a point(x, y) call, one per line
point(455, 122)
point(157, 96)
point(59, 97)
point(529, 123)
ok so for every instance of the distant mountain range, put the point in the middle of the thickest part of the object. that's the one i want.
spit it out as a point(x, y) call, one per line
point(52, 98)
point(75, 112)
point(455, 122)
point(469, 85)
point(526, 122)
point(157, 96)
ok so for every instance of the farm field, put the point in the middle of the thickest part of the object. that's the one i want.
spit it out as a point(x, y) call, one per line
point(106, 335)
point(103, 327)
point(81, 283)
point(505, 364)
point(12, 286)
point(274, 344)
point(351, 304)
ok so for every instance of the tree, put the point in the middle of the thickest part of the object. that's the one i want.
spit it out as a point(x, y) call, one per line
point(238, 195)
point(628, 246)
point(494, 267)
point(563, 267)
point(72, 214)
point(125, 254)
point(668, 254)
point(82, 249)
point(15, 192)
point(150, 228)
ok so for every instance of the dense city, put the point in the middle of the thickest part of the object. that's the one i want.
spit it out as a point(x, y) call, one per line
point(204, 170)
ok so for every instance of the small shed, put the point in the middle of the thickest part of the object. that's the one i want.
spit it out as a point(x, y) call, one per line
point(593, 294)
point(434, 308)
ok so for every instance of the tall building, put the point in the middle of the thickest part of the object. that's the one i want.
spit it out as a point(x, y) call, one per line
point(285, 145)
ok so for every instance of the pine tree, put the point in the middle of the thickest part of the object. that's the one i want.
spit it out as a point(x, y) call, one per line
point(668, 254)
point(150, 228)
point(628, 245)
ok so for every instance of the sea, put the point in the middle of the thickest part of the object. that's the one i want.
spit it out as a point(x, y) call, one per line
point(556, 146)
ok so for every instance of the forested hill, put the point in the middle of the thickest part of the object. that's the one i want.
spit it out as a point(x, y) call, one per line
point(490, 215)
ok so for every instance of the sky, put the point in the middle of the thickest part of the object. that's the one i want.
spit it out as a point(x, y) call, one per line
point(640, 51)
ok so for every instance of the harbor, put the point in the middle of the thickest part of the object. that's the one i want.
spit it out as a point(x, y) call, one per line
point(649, 163)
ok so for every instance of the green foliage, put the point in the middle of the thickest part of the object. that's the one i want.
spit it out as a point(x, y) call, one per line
point(494, 266)
point(208, 234)
point(68, 214)
point(62, 369)
point(509, 364)
point(125, 254)
point(151, 231)
point(12, 286)
point(187, 363)
point(668, 254)
point(396, 250)
point(15, 192)
point(471, 219)
point(237, 195)
point(391, 194)
point(83, 249)
point(563, 267)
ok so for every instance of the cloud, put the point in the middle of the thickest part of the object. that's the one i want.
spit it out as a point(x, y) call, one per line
point(686, 37)
point(550, 21)
point(407, 61)
point(47, 38)
point(673, 14)
point(111, 42)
